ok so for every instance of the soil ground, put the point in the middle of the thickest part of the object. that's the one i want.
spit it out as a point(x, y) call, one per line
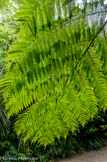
point(92, 156)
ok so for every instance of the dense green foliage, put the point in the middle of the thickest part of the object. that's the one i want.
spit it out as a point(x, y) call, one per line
point(92, 136)
point(56, 74)
point(7, 36)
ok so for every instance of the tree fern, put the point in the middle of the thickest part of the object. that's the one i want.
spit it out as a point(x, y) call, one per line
point(56, 72)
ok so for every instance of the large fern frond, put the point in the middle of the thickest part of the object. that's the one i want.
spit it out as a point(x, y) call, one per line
point(55, 79)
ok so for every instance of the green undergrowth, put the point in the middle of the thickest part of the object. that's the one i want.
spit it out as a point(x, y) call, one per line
point(91, 137)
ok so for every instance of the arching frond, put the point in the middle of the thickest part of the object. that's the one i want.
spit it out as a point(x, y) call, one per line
point(56, 72)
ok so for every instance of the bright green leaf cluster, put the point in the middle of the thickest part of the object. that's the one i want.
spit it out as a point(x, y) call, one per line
point(56, 71)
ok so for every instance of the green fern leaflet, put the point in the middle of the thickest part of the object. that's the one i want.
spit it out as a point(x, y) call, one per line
point(56, 70)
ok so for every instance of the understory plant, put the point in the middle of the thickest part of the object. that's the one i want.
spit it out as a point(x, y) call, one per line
point(92, 136)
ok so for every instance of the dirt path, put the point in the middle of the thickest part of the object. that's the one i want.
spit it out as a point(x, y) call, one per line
point(92, 156)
